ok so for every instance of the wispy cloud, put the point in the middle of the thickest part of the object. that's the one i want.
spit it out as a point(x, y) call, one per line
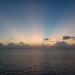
point(12, 39)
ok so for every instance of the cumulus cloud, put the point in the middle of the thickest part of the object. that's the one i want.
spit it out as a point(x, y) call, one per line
point(68, 37)
point(21, 44)
point(46, 39)
point(61, 44)
point(11, 45)
point(27, 45)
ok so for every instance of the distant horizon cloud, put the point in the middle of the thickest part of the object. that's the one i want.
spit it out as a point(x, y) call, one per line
point(11, 45)
point(21, 44)
point(68, 37)
point(59, 44)
point(62, 44)
point(27, 45)
point(1, 45)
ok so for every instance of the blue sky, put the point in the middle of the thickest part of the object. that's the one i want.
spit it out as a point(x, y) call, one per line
point(32, 21)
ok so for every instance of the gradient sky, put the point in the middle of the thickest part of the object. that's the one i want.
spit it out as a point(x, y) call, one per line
point(31, 21)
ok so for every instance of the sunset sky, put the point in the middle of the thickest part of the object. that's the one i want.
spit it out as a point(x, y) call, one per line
point(33, 21)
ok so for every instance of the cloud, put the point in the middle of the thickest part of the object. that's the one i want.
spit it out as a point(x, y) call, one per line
point(61, 44)
point(46, 39)
point(68, 37)
point(1, 45)
point(11, 39)
point(27, 45)
point(21, 44)
point(11, 45)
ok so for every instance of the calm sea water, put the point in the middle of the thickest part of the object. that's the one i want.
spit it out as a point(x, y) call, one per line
point(37, 62)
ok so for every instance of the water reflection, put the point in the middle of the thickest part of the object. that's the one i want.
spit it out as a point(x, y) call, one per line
point(37, 62)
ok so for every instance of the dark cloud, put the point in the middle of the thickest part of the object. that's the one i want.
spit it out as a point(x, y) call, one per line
point(11, 45)
point(21, 44)
point(61, 44)
point(27, 45)
point(68, 37)
point(46, 39)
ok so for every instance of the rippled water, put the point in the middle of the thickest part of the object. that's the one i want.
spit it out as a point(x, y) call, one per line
point(37, 62)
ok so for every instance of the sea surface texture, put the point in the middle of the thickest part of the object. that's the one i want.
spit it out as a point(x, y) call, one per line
point(37, 62)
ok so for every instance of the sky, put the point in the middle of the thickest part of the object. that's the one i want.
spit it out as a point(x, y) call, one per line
point(37, 21)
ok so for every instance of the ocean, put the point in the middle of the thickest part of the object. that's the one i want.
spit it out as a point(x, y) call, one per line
point(37, 62)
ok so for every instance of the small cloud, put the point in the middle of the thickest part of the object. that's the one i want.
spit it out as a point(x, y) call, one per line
point(46, 39)
point(11, 39)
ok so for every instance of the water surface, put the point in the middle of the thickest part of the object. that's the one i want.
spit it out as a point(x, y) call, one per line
point(37, 62)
